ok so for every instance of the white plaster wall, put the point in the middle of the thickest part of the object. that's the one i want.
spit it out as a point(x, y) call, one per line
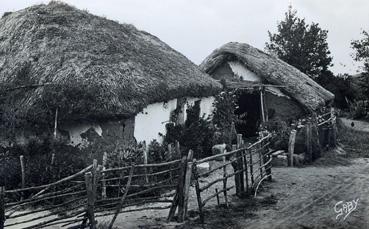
point(75, 130)
point(152, 120)
point(206, 106)
point(241, 71)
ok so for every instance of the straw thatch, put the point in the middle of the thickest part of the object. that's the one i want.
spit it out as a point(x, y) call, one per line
point(274, 71)
point(89, 66)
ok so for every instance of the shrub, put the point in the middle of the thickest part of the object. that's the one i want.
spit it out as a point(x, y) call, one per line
point(359, 110)
point(280, 133)
point(196, 134)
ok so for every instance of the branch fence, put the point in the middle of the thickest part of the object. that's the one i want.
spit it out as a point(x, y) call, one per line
point(80, 200)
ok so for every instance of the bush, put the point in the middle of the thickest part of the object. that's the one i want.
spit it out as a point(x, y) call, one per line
point(37, 158)
point(280, 133)
point(359, 110)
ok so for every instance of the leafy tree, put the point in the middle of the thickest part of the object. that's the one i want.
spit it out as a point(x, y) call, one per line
point(361, 54)
point(301, 45)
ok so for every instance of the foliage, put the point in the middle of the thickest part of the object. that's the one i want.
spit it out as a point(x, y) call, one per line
point(340, 86)
point(125, 155)
point(361, 48)
point(301, 45)
point(280, 133)
point(224, 117)
point(156, 152)
point(196, 134)
point(359, 109)
point(37, 156)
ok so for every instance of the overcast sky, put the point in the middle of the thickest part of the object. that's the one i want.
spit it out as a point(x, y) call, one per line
point(197, 27)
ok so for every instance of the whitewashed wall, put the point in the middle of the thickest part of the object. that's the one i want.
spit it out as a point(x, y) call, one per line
point(147, 124)
point(152, 120)
point(75, 130)
point(206, 106)
point(241, 71)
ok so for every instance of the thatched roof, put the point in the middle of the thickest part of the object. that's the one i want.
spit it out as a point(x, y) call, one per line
point(273, 70)
point(96, 67)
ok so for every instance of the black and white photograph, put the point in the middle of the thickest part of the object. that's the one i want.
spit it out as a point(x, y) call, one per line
point(184, 114)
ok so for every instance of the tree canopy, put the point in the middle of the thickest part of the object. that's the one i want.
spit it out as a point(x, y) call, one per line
point(361, 54)
point(301, 45)
point(361, 48)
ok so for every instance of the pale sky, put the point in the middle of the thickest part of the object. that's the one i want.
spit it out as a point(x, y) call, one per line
point(197, 27)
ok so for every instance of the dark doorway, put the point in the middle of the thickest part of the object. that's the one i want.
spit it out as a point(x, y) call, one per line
point(248, 113)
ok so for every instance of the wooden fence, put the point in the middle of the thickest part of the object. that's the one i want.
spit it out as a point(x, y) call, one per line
point(68, 193)
point(81, 199)
point(322, 127)
point(99, 191)
point(250, 165)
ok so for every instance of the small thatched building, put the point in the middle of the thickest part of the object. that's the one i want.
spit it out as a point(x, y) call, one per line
point(104, 78)
point(272, 88)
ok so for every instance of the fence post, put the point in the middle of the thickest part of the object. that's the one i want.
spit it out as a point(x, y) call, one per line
point(181, 189)
point(104, 161)
point(251, 169)
point(178, 148)
point(261, 159)
point(21, 159)
point(186, 186)
point(291, 147)
point(90, 199)
point(198, 192)
point(170, 158)
point(309, 150)
point(240, 163)
point(267, 157)
point(334, 133)
point(244, 157)
point(145, 157)
point(2, 207)
point(178, 196)
point(235, 169)
point(225, 180)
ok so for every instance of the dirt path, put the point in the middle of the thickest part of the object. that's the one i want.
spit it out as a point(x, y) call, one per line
point(302, 198)
point(358, 125)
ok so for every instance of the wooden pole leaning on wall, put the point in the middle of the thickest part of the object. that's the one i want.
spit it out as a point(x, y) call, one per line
point(2, 207)
point(90, 200)
point(308, 143)
point(291, 147)
point(104, 162)
point(240, 164)
point(261, 89)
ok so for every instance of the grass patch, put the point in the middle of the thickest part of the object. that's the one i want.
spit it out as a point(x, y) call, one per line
point(356, 143)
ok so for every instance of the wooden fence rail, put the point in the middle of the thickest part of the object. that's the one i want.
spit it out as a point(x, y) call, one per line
point(98, 190)
point(251, 165)
point(321, 128)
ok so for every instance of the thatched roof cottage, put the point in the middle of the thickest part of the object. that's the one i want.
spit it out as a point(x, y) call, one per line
point(272, 88)
point(100, 77)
